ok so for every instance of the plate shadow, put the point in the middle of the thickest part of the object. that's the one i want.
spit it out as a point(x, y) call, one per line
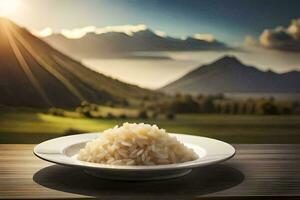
point(200, 181)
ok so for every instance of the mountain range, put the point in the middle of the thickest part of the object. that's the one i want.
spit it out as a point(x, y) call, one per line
point(229, 75)
point(115, 44)
point(34, 74)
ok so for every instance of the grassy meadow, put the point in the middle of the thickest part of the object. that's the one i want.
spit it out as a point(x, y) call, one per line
point(34, 127)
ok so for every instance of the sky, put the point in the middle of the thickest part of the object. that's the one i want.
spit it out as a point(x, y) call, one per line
point(266, 33)
point(229, 21)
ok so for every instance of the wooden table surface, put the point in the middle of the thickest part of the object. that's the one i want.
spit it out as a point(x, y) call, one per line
point(256, 170)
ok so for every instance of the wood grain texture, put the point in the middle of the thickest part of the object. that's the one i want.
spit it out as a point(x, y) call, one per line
point(256, 170)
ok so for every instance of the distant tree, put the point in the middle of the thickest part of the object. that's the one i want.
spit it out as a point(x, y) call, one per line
point(200, 96)
point(154, 115)
point(271, 99)
point(123, 116)
point(142, 104)
point(184, 105)
point(178, 96)
point(295, 107)
point(296, 110)
point(125, 103)
point(88, 114)
point(218, 107)
point(110, 104)
point(146, 98)
point(219, 96)
point(222, 106)
point(84, 103)
point(208, 105)
point(226, 108)
point(234, 108)
point(170, 115)
point(250, 107)
point(56, 111)
point(286, 111)
point(73, 131)
point(86, 111)
point(143, 114)
point(109, 115)
point(269, 108)
point(93, 107)
point(78, 109)
point(242, 107)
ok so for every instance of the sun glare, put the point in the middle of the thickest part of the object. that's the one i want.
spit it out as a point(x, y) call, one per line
point(8, 7)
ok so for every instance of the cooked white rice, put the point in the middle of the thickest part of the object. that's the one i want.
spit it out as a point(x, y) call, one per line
point(136, 144)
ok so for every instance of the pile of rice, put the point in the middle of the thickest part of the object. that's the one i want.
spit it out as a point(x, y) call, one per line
point(136, 144)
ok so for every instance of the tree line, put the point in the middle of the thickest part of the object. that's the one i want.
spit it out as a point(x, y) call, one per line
point(218, 104)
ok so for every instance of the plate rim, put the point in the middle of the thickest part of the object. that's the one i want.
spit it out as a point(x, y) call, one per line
point(176, 166)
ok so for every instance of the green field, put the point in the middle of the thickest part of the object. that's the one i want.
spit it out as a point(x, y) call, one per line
point(30, 127)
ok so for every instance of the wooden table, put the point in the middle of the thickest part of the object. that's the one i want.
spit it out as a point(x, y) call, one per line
point(256, 170)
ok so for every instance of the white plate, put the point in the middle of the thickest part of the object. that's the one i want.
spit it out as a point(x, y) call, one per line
point(63, 150)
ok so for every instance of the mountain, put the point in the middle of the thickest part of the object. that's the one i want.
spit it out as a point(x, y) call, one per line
point(94, 45)
point(229, 75)
point(34, 74)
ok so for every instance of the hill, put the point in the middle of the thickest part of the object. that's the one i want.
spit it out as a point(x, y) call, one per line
point(33, 74)
point(229, 75)
point(93, 45)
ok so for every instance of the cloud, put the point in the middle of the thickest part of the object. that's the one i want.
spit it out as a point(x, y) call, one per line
point(205, 37)
point(280, 38)
point(80, 32)
point(130, 30)
point(43, 33)
point(127, 29)
point(251, 41)
point(160, 33)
